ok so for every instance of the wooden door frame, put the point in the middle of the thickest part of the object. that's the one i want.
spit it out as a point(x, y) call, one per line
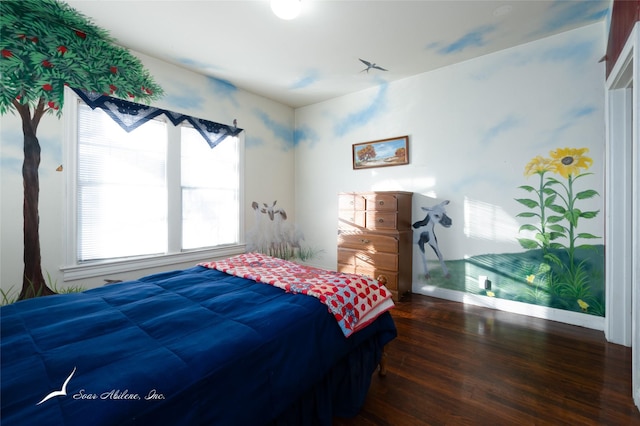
point(622, 205)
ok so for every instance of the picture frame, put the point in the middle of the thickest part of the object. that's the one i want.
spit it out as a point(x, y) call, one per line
point(381, 153)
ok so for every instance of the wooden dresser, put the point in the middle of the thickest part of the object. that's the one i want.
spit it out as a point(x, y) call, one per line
point(375, 237)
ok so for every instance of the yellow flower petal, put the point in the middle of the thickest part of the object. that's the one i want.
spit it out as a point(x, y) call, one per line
point(530, 278)
point(538, 165)
point(583, 305)
point(570, 161)
point(490, 294)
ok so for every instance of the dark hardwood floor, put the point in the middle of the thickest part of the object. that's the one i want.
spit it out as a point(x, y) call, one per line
point(456, 364)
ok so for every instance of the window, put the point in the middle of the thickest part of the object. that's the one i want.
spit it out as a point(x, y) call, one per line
point(210, 209)
point(155, 195)
point(121, 187)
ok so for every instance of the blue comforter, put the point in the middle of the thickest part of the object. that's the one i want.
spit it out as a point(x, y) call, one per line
point(188, 347)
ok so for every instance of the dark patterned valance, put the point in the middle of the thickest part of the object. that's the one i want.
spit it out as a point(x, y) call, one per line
point(130, 115)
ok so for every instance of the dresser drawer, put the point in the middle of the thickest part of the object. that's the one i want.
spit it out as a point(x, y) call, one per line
point(381, 202)
point(348, 218)
point(392, 277)
point(362, 259)
point(348, 201)
point(368, 242)
point(381, 220)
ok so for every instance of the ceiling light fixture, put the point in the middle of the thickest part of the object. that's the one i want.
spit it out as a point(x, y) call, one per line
point(286, 9)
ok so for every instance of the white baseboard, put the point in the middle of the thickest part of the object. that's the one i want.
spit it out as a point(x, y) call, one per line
point(553, 314)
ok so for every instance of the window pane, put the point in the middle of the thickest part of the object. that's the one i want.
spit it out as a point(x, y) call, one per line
point(122, 195)
point(210, 186)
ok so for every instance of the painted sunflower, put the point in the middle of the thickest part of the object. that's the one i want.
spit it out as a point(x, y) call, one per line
point(538, 165)
point(570, 161)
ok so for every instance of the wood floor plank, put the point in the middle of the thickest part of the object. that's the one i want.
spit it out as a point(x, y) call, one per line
point(456, 364)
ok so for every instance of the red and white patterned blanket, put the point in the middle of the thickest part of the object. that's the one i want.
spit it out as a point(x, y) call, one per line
point(354, 300)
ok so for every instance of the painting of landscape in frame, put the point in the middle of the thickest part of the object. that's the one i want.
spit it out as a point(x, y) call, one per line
point(381, 153)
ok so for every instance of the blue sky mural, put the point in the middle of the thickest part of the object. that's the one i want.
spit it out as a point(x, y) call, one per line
point(13, 155)
point(183, 100)
point(306, 80)
point(561, 16)
point(508, 123)
point(281, 131)
point(570, 52)
point(475, 38)
point(305, 133)
point(223, 89)
point(365, 115)
point(565, 14)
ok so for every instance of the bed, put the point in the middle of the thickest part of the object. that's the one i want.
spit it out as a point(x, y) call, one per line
point(248, 340)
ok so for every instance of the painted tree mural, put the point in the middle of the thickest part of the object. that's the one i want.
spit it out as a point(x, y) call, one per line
point(44, 46)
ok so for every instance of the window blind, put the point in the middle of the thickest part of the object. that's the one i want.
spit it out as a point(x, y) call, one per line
point(210, 182)
point(121, 187)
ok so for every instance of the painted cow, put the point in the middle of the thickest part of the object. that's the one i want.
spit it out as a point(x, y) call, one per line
point(435, 214)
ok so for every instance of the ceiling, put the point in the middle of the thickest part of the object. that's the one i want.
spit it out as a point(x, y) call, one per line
point(316, 56)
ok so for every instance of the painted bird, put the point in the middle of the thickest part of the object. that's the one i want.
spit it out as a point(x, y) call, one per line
point(370, 66)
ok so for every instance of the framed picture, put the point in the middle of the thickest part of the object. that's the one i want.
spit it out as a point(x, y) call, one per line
point(382, 153)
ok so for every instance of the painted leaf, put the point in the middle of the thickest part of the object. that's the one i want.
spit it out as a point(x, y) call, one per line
point(590, 193)
point(543, 238)
point(527, 188)
point(553, 181)
point(527, 202)
point(572, 216)
point(590, 214)
point(586, 235)
point(557, 228)
point(554, 219)
point(558, 209)
point(528, 244)
point(555, 235)
point(527, 214)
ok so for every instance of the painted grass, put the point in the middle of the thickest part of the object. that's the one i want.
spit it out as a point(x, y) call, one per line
point(526, 277)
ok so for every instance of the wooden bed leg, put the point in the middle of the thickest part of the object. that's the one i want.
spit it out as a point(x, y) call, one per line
point(383, 364)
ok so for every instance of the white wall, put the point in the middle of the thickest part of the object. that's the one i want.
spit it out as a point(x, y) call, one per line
point(472, 129)
point(268, 130)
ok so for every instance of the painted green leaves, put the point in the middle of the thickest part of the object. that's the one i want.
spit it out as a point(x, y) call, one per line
point(46, 44)
point(554, 208)
point(554, 202)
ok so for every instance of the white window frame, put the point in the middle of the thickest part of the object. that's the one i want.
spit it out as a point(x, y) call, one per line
point(72, 270)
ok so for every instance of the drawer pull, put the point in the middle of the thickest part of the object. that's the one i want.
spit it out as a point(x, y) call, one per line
point(381, 220)
point(364, 241)
point(381, 203)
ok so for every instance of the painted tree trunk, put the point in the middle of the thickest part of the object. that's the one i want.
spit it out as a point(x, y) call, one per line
point(33, 283)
